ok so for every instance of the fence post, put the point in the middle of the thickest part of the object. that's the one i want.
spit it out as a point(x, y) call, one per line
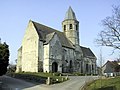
point(48, 81)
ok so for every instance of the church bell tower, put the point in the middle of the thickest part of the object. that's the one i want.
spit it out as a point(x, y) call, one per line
point(70, 26)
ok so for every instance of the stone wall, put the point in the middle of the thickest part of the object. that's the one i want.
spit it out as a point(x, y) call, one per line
point(53, 53)
point(68, 59)
point(46, 59)
point(71, 34)
point(30, 49)
point(91, 62)
point(40, 56)
point(19, 60)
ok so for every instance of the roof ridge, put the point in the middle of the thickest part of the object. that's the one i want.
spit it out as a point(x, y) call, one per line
point(84, 47)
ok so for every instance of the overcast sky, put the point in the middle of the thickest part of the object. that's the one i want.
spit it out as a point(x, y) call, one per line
point(15, 15)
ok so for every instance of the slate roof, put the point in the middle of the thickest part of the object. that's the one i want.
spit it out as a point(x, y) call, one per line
point(49, 37)
point(87, 52)
point(115, 63)
point(70, 14)
point(43, 32)
point(112, 63)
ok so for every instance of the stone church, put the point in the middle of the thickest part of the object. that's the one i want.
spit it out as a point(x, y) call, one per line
point(45, 49)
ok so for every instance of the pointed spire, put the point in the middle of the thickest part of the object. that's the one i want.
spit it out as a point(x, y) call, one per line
point(70, 14)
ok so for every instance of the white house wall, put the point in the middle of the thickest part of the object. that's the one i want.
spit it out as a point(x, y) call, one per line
point(107, 68)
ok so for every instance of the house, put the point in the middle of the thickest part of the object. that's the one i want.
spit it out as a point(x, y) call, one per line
point(49, 50)
point(111, 68)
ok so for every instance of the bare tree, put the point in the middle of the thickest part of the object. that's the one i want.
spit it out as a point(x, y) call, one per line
point(101, 64)
point(110, 36)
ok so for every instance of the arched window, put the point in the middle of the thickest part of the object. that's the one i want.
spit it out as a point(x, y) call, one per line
point(87, 68)
point(64, 27)
point(71, 26)
point(70, 63)
point(76, 27)
point(71, 66)
point(54, 67)
point(92, 67)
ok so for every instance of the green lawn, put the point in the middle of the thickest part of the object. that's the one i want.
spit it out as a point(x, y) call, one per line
point(105, 84)
point(40, 77)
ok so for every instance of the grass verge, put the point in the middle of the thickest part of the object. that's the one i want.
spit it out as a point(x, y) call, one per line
point(105, 84)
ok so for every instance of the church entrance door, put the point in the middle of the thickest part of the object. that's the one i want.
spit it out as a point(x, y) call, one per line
point(54, 67)
point(71, 66)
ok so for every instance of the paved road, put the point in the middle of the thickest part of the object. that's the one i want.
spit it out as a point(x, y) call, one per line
point(9, 83)
point(74, 83)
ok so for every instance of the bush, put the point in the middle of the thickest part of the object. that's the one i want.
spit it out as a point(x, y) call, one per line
point(39, 77)
point(57, 74)
point(4, 58)
point(28, 77)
